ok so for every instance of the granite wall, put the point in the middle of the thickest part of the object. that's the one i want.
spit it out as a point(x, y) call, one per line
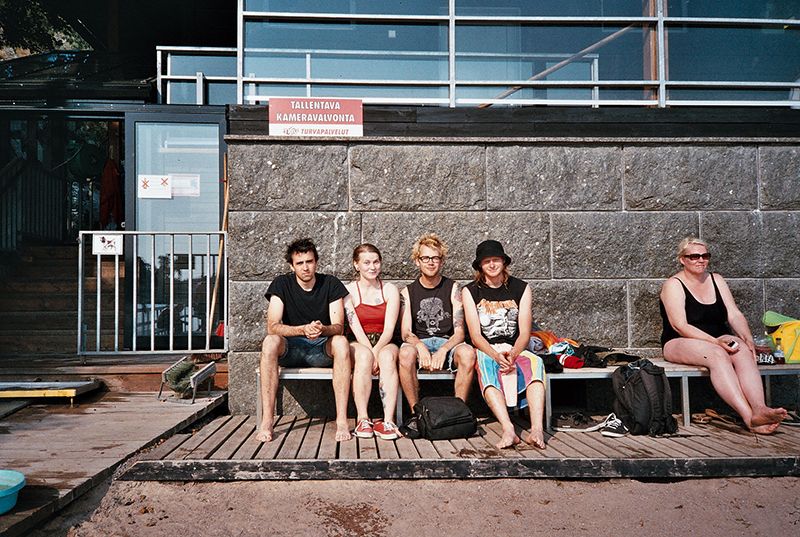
point(592, 225)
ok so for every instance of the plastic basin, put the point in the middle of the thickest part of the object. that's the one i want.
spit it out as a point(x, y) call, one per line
point(11, 482)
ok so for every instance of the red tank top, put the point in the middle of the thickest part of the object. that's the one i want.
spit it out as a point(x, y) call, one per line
point(371, 317)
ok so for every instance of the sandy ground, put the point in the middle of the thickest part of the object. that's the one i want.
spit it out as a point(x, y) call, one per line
point(704, 507)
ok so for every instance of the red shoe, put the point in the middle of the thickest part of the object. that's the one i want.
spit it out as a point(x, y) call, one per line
point(386, 430)
point(364, 429)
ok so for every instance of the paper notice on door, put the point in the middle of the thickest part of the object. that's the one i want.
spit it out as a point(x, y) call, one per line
point(154, 186)
point(185, 184)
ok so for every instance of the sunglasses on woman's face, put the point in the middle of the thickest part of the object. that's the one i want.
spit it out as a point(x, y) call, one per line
point(694, 257)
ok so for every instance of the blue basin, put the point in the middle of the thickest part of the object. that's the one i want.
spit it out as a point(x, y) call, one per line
point(11, 482)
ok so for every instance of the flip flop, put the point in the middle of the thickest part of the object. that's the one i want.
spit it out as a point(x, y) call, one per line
point(714, 415)
point(792, 419)
point(701, 419)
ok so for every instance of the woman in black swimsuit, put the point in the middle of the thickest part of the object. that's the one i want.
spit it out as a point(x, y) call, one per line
point(703, 326)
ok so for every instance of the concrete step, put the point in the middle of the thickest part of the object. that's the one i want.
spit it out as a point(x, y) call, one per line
point(37, 301)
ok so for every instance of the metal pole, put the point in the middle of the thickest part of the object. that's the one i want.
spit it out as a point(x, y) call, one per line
point(152, 292)
point(135, 300)
point(171, 291)
point(80, 295)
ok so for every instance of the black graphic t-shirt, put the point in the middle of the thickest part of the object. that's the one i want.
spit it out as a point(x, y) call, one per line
point(431, 309)
point(300, 306)
point(498, 309)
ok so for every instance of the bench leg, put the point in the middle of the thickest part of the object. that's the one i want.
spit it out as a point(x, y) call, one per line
point(548, 408)
point(687, 413)
point(258, 397)
point(767, 391)
point(398, 412)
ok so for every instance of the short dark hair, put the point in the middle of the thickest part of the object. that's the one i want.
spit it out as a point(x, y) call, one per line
point(301, 246)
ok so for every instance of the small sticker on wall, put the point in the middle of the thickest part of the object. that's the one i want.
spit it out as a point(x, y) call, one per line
point(154, 186)
point(185, 185)
point(107, 244)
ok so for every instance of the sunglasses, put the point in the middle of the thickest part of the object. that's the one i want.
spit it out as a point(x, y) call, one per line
point(694, 257)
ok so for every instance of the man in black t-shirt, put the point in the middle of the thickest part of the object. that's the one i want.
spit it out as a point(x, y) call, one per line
point(305, 323)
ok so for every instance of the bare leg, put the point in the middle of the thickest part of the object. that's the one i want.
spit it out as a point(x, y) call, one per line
point(724, 377)
point(535, 395)
point(408, 374)
point(750, 381)
point(389, 380)
point(497, 403)
point(465, 359)
point(340, 350)
point(362, 378)
point(271, 348)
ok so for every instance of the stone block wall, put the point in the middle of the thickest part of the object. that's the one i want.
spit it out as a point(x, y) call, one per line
point(592, 224)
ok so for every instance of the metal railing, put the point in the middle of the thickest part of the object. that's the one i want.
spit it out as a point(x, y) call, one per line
point(656, 88)
point(172, 295)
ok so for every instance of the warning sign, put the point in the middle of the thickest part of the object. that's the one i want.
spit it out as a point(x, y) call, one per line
point(295, 116)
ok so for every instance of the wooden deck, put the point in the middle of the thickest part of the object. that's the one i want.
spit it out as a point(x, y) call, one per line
point(64, 451)
point(226, 450)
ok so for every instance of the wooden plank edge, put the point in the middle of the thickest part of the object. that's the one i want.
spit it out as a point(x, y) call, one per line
point(293, 470)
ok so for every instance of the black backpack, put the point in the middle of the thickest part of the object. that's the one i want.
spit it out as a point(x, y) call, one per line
point(444, 418)
point(643, 399)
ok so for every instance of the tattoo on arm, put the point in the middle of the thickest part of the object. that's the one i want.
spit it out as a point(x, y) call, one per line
point(458, 318)
point(350, 313)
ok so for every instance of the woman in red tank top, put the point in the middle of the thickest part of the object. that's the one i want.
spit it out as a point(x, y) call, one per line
point(372, 308)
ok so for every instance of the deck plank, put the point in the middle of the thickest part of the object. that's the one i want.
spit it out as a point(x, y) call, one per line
point(310, 446)
point(328, 447)
point(366, 448)
point(216, 440)
point(425, 449)
point(294, 439)
point(198, 438)
point(387, 449)
point(280, 431)
point(348, 450)
point(236, 440)
point(485, 449)
point(406, 448)
point(167, 447)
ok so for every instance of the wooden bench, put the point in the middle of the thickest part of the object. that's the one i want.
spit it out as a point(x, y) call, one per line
point(682, 372)
point(326, 373)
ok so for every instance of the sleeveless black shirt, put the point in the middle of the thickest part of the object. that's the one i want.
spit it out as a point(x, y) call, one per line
point(710, 318)
point(431, 309)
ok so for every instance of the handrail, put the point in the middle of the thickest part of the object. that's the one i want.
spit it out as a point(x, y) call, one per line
point(160, 321)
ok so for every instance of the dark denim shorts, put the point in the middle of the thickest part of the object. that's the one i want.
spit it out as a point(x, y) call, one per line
point(304, 352)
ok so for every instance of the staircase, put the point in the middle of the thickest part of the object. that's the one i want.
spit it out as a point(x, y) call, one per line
point(39, 303)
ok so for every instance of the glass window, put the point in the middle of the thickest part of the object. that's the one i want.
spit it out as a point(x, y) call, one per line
point(733, 54)
point(182, 93)
point(398, 92)
point(220, 92)
point(723, 94)
point(273, 90)
point(358, 7)
point(749, 9)
point(184, 64)
point(345, 36)
point(518, 52)
point(562, 8)
point(380, 66)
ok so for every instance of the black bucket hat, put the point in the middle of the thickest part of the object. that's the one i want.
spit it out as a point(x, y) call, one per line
point(486, 249)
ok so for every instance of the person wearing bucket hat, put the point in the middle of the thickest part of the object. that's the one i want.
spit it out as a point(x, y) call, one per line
point(703, 326)
point(497, 308)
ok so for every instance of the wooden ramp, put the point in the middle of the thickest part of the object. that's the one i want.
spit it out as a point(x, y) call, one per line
point(65, 451)
point(226, 450)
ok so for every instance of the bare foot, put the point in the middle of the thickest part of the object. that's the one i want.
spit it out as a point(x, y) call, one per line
point(342, 431)
point(768, 416)
point(535, 438)
point(508, 440)
point(765, 429)
point(264, 434)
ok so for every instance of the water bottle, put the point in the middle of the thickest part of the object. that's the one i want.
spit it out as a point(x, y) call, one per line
point(778, 354)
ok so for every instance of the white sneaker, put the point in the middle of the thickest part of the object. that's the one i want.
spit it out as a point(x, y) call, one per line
point(614, 427)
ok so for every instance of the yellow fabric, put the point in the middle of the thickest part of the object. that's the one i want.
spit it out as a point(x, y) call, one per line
point(789, 334)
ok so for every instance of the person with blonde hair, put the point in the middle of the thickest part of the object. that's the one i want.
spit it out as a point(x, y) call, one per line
point(703, 326)
point(497, 307)
point(432, 323)
point(372, 308)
